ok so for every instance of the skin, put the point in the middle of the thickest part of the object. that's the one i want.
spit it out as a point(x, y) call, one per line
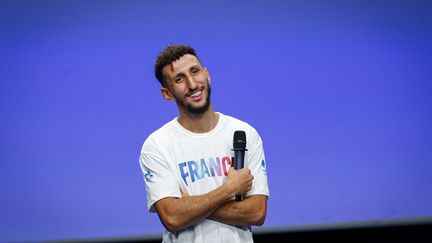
point(187, 83)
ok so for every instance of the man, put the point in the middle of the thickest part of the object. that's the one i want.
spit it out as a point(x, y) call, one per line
point(187, 163)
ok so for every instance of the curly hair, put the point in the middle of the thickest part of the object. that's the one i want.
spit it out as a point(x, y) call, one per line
point(169, 55)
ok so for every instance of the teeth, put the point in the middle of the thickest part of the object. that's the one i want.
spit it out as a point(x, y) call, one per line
point(195, 94)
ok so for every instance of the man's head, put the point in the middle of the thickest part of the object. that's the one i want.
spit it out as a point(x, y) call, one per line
point(169, 55)
point(183, 79)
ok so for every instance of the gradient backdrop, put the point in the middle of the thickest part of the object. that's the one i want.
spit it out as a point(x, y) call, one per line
point(340, 91)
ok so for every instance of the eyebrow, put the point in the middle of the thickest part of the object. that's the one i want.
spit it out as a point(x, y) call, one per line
point(182, 73)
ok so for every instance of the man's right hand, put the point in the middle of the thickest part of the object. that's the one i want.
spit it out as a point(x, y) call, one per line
point(178, 213)
point(239, 181)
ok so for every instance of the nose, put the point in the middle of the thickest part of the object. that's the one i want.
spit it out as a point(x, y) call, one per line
point(191, 82)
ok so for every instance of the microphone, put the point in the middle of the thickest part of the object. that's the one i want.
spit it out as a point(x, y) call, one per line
point(239, 144)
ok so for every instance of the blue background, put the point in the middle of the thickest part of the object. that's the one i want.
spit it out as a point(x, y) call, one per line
point(340, 92)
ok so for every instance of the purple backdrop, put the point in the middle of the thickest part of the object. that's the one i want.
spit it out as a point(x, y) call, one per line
point(339, 91)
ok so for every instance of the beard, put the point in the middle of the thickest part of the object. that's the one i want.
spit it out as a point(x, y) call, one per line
point(198, 110)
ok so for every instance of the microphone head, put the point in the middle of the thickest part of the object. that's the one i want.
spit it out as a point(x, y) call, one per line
point(239, 141)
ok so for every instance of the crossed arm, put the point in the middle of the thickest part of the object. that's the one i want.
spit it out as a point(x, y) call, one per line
point(251, 211)
point(178, 213)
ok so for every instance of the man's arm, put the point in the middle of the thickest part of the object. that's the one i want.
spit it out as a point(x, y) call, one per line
point(178, 213)
point(251, 211)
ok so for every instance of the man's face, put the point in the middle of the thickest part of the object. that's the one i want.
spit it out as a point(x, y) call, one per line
point(187, 82)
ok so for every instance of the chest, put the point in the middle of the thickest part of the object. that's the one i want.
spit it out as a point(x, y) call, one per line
point(201, 165)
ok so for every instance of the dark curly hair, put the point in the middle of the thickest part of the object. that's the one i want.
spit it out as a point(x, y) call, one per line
point(169, 55)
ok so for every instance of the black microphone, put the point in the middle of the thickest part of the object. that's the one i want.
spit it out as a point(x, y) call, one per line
point(239, 144)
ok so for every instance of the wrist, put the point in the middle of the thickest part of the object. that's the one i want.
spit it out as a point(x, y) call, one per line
point(230, 189)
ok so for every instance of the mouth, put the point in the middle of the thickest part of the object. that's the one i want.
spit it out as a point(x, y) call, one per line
point(195, 95)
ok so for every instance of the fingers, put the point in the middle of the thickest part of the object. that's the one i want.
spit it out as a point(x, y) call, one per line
point(246, 178)
point(247, 173)
point(240, 180)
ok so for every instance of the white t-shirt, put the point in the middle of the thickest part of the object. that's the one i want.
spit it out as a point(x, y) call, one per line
point(174, 159)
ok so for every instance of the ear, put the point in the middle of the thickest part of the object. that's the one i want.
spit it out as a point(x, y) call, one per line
point(208, 76)
point(167, 94)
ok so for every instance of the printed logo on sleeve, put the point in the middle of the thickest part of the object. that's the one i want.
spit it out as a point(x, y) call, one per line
point(148, 175)
point(263, 165)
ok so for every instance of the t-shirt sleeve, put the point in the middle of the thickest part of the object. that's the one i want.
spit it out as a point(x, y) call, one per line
point(159, 179)
point(255, 161)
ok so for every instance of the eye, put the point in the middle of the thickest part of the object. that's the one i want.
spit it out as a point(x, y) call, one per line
point(178, 79)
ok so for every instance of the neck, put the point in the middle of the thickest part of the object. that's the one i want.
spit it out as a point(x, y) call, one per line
point(201, 123)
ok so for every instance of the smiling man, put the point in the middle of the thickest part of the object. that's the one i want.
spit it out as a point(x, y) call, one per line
point(187, 163)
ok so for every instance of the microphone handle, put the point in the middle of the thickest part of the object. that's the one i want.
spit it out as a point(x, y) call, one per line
point(239, 164)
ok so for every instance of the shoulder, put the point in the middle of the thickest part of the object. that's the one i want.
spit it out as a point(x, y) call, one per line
point(235, 124)
point(160, 137)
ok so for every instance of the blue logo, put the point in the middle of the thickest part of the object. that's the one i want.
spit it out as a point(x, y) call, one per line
point(148, 175)
point(263, 164)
